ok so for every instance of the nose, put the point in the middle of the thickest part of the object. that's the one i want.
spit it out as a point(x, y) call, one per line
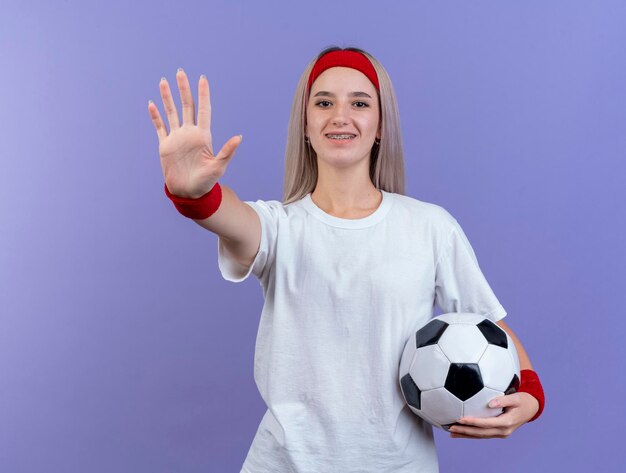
point(340, 114)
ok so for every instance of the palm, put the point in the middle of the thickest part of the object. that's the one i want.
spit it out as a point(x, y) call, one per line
point(187, 160)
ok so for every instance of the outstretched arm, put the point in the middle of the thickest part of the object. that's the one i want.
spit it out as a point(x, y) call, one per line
point(191, 170)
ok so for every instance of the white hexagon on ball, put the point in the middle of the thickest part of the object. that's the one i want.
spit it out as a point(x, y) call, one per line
point(430, 367)
point(463, 343)
point(496, 368)
point(442, 406)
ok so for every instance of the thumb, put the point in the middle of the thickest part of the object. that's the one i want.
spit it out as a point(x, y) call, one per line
point(505, 401)
point(228, 150)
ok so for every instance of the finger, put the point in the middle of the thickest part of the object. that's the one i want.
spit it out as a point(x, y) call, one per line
point(156, 119)
point(228, 150)
point(477, 432)
point(185, 97)
point(459, 436)
point(204, 104)
point(505, 401)
point(500, 421)
point(508, 402)
point(168, 103)
point(486, 422)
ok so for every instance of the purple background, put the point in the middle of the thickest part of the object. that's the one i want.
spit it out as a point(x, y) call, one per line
point(121, 347)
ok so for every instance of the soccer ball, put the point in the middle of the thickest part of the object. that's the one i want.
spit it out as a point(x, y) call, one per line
point(455, 365)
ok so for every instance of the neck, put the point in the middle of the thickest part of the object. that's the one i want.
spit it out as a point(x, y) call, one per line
point(347, 198)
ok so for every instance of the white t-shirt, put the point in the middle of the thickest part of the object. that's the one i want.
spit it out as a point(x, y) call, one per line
point(342, 297)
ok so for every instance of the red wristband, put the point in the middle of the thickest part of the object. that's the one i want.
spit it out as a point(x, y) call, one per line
point(530, 384)
point(200, 208)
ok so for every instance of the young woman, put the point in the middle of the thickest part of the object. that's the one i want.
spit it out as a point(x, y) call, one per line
point(350, 268)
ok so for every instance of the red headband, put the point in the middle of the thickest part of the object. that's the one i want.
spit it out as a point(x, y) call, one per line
point(344, 58)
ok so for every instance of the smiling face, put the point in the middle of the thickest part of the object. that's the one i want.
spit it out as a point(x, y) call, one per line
point(342, 101)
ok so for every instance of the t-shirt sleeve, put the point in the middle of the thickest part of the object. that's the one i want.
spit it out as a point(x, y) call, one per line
point(231, 270)
point(460, 285)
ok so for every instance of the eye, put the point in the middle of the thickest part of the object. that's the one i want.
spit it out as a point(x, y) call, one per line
point(362, 104)
point(321, 102)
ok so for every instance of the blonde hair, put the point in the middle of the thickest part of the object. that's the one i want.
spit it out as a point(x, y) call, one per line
point(386, 159)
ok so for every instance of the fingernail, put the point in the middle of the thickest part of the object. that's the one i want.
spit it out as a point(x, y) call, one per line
point(180, 69)
point(202, 76)
point(163, 78)
point(494, 404)
point(240, 138)
point(150, 102)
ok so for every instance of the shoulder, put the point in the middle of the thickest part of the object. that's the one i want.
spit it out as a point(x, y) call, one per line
point(272, 209)
point(273, 206)
point(428, 212)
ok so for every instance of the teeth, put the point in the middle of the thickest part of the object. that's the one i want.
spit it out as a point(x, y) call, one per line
point(341, 137)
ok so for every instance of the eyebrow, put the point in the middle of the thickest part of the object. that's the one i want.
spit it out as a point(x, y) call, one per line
point(324, 93)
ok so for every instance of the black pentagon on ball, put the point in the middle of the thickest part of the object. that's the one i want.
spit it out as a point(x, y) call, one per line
point(411, 392)
point(494, 334)
point(464, 380)
point(430, 333)
point(513, 385)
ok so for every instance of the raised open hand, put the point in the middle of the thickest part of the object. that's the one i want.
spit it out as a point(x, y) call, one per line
point(189, 166)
